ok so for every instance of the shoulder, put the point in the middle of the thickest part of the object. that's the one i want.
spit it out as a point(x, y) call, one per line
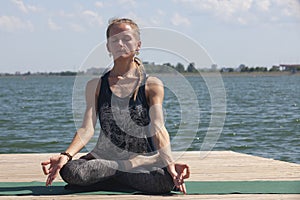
point(153, 84)
point(154, 89)
point(152, 80)
point(93, 86)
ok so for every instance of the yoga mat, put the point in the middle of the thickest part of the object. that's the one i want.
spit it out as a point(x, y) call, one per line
point(243, 187)
point(193, 187)
point(57, 188)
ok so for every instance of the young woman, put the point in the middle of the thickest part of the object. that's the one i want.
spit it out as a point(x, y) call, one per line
point(133, 148)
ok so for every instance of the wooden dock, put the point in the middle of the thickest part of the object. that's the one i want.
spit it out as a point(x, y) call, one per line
point(215, 166)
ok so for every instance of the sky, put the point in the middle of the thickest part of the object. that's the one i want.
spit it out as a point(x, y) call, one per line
point(57, 35)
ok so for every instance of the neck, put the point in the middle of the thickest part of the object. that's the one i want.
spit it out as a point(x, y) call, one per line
point(123, 67)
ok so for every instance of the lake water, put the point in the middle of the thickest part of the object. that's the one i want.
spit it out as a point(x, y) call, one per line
point(262, 115)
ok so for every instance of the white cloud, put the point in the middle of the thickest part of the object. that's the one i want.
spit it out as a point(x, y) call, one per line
point(263, 5)
point(80, 20)
point(20, 5)
point(227, 9)
point(53, 26)
point(178, 20)
point(64, 14)
point(246, 11)
point(289, 8)
point(99, 4)
point(12, 23)
point(77, 27)
point(34, 8)
point(129, 3)
point(26, 8)
point(156, 21)
point(242, 20)
point(218, 7)
point(232, 10)
point(92, 18)
point(161, 12)
point(158, 18)
point(90, 13)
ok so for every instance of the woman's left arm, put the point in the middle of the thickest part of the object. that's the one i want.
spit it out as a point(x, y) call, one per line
point(155, 96)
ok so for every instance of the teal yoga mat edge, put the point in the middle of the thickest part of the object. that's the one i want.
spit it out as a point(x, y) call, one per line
point(38, 188)
point(243, 187)
point(193, 187)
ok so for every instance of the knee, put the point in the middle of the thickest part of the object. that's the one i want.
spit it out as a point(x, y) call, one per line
point(154, 182)
point(67, 173)
point(71, 174)
point(164, 184)
point(162, 187)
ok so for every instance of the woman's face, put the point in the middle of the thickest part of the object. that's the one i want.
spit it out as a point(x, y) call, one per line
point(123, 41)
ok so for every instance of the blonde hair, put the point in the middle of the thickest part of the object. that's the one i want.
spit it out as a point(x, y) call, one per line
point(115, 21)
point(134, 26)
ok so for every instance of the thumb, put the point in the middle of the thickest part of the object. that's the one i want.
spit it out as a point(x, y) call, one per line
point(45, 162)
point(171, 170)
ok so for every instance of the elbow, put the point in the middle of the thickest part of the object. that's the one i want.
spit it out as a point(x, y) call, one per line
point(85, 133)
point(90, 131)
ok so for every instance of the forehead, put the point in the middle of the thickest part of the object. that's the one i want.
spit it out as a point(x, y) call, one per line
point(120, 28)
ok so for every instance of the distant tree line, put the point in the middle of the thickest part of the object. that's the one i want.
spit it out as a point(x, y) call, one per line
point(152, 67)
point(63, 73)
point(169, 68)
point(274, 68)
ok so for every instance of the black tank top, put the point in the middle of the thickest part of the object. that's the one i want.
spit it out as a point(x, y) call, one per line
point(124, 122)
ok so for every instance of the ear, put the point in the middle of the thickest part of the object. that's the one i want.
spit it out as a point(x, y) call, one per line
point(107, 47)
point(139, 44)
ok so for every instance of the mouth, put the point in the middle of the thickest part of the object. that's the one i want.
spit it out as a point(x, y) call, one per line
point(122, 51)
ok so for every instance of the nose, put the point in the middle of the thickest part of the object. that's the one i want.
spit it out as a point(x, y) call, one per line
point(120, 42)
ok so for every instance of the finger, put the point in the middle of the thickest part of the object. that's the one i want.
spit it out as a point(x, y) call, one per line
point(44, 164)
point(48, 181)
point(45, 170)
point(181, 176)
point(176, 181)
point(188, 169)
point(55, 169)
point(180, 188)
point(50, 169)
point(53, 174)
point(187, 174)
point(183, 188)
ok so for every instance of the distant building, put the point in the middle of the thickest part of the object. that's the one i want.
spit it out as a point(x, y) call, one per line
point(214, 67)
point(276, 68)
point(227, 69)
point(290, 67)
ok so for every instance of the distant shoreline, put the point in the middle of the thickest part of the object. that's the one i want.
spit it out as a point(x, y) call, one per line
point(245, 74)
point(223, 74)
point(260, 74)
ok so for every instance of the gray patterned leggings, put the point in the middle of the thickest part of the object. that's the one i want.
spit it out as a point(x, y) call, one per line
point(102, 174)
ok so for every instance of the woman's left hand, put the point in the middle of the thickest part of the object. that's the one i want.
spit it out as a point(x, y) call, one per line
point(179, 172)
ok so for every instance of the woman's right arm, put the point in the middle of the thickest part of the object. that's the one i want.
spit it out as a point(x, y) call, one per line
point(82, 135)
point(86, 131)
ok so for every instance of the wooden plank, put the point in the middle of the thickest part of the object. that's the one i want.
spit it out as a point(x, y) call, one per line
point(215, 166)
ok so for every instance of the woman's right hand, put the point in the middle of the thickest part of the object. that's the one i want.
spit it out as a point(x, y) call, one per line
point(56, 163)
